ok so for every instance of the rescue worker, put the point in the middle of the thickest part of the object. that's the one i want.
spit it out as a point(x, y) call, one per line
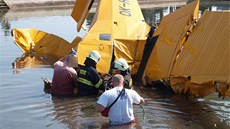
point(89, 81)
point(64, 82)
point(120, 66)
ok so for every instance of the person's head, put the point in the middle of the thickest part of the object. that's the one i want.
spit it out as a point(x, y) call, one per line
point(118, 80)
point(72, 61)
point(119, 66)
point(94, 55)
point(93, 58)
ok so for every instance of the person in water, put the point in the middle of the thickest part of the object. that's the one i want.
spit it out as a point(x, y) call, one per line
point(121, 111)
point(120, 66)
point(64, 81)
point(89, 81)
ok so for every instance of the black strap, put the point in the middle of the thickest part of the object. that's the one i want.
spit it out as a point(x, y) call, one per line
point(123, 90)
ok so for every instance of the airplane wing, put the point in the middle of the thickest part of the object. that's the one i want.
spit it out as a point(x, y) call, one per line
point(41, 43)
point(205, 56)
point(80, 11)
point(171, 32)
point(197, 62)
point(24, 38)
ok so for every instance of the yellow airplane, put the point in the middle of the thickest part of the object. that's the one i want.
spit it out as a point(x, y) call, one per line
point(118, 29)
point(123, 34)
point(185, 52)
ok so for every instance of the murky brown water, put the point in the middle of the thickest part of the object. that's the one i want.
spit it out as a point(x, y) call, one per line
point(24, 104)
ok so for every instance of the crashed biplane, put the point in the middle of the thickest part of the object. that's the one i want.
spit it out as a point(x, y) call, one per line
point(120, 31)
point(187, 53)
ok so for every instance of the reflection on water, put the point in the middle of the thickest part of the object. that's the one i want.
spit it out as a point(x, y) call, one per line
point(6, 26)
point(33, 61)
point(175, 111)
point(25, 105)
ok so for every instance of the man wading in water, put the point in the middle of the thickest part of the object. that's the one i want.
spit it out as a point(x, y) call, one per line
point(121, 111)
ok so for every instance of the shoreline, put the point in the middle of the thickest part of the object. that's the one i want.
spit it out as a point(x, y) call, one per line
point(36, 4)
point(66, 9)
point(25, 4)
point(18, 5)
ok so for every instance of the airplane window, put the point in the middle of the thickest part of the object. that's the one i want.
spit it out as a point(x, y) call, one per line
point(105, 37)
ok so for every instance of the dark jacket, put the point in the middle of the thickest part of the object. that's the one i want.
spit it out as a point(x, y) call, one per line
point(89, 80)
point(127, 79)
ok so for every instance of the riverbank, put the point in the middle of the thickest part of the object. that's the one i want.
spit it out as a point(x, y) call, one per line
point(36, 8)
point(36, 4)
point(19, 4)
point(24, 4)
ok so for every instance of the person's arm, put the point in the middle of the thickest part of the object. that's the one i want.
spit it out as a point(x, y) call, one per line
point(142, 100)
point(100, 108)
point(95, 77)
point(137, 98)
point(102, 102)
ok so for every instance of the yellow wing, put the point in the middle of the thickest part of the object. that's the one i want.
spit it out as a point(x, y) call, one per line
point(205, 56)
point(41, 43)
point(171, 31)
point(80, 11)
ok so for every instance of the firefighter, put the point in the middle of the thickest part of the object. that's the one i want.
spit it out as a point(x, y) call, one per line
point(120, 66)
point(89, 81)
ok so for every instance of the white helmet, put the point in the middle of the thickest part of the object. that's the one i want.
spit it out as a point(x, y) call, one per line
point(94, 55)
point(121, 64)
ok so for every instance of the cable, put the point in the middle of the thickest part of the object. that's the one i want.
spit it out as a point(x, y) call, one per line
point(144, 113)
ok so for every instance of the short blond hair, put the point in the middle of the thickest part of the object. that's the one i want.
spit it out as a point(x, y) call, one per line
point(118, 79)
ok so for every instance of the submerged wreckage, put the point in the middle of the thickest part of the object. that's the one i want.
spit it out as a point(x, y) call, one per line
point(189, 54)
